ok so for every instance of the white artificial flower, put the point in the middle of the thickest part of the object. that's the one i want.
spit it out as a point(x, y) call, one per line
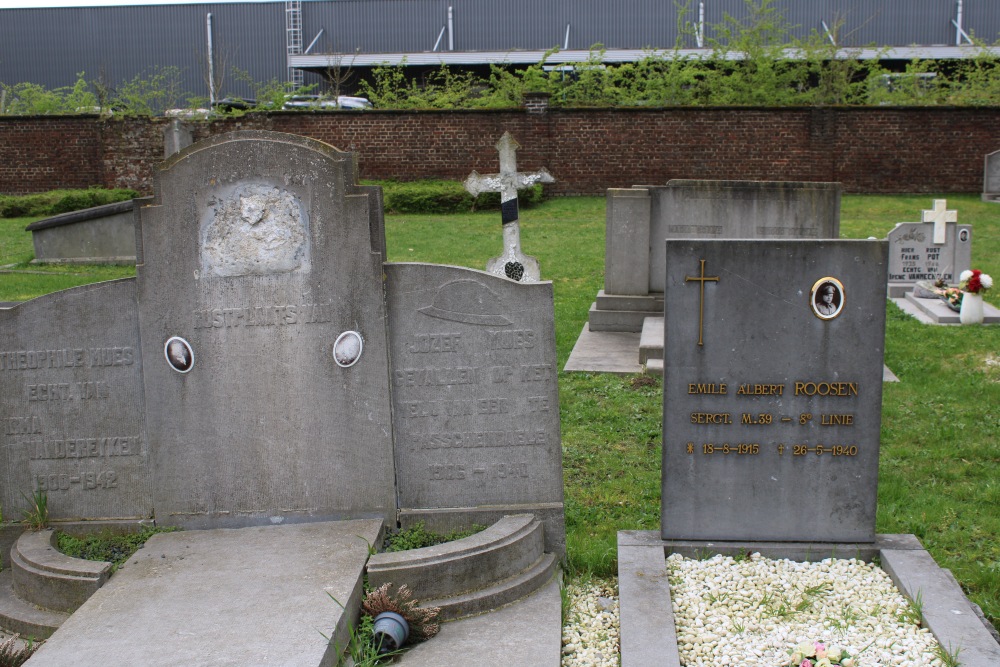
point(985, 281)
point(965, 275)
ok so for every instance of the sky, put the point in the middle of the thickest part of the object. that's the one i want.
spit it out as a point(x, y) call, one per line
point(21, 4)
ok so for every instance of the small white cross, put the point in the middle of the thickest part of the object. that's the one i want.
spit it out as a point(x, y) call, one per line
point(940, 216)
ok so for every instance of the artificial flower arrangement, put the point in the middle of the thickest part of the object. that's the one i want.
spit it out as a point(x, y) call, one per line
point(974, 281)
point(818, 654)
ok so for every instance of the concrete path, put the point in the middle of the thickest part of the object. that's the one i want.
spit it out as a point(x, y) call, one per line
point(245, 597)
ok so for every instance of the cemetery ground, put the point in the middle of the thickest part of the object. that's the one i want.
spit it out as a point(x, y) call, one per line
point(940, 441)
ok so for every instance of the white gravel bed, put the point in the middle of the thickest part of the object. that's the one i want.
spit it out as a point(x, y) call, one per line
point(753, 612)
point(590, 635)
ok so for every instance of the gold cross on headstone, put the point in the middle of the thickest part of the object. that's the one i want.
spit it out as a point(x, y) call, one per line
point(701, 306)
point(940, 216)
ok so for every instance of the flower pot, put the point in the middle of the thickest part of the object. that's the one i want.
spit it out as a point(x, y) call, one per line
point(391, 631)
point(972, 309)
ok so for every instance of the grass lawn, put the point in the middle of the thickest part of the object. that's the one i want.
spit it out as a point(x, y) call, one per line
point(940, 445)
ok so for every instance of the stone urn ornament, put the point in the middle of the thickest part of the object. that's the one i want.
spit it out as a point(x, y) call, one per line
point(973, 283)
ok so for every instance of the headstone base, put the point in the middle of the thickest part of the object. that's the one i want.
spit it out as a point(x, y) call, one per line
point(648, 633)
point(935, 311)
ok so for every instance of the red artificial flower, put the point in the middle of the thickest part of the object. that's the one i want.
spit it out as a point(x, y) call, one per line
point(974, 284)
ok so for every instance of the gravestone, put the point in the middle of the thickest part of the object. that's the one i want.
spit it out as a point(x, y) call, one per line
point(98, 235)
point(991, 177)
point(475, 401)
point(512, 262)
point(247, 375)
point(641, 218)
point(71, 405)
point(772, 389)
point(259, 252)
point(937, 248)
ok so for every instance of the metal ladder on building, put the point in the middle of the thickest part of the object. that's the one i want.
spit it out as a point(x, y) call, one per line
point(293, 39)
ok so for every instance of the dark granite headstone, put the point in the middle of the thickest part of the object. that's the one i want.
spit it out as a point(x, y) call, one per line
point(772, 389)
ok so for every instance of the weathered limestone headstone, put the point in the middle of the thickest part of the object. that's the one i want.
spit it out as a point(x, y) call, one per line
point(245, 375)
point(640, 219)
point(71, 405)
point(258, 253)
point(512, 263)
point(991, 176)
point(937, 248)
point(772, 389)
point(476, 406)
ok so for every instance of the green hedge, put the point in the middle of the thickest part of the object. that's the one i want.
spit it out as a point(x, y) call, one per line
point(444, 197)
point(59, 201)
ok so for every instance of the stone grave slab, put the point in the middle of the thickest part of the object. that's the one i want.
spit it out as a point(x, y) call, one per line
point(476, 404)
point(71, 405)
point(260, 595)
point(914, 256)
point(773, 389)
point(935, 311)
point(258, 253)
point(991, 177)
point(98, 235)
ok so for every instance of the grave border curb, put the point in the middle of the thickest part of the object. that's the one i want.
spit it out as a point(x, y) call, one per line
point(648, 633)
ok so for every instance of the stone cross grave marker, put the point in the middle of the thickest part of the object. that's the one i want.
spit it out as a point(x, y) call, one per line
point(772, 389)
point(940, 216)
point(512, 263)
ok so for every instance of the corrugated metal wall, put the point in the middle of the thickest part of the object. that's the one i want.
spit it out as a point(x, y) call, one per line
point(49, 46)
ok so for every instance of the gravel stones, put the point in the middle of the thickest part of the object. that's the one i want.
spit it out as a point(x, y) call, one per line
point(590, 632)
point(751, 612)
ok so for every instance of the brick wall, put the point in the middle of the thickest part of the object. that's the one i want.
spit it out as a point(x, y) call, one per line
point(867, 149)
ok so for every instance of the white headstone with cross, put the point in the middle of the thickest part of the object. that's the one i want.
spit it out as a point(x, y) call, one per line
point(940, 216)
point(512, 263)
point(937, 248)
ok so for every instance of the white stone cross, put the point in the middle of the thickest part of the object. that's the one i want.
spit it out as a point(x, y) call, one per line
point(513, 263)
point(940, 216)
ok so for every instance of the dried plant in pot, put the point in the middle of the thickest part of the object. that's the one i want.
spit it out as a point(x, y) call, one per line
point(422, 622)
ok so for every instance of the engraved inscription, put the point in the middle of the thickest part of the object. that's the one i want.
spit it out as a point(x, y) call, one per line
point(67, 391)
point(21, 425)
point(82, 448)
point(695, 229)
point(263, 316)
point(474, 439)
point(88, 481)
point(30, 360)
point(516, 339)
point(427, 343)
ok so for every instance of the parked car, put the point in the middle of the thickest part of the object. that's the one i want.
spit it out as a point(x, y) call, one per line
point(320, 102)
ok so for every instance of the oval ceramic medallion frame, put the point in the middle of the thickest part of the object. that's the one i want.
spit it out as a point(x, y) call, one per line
point(179, 354)
point(821, 288)
point(347, 349)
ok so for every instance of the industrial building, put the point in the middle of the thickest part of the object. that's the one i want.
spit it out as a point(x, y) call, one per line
point(218, 46)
